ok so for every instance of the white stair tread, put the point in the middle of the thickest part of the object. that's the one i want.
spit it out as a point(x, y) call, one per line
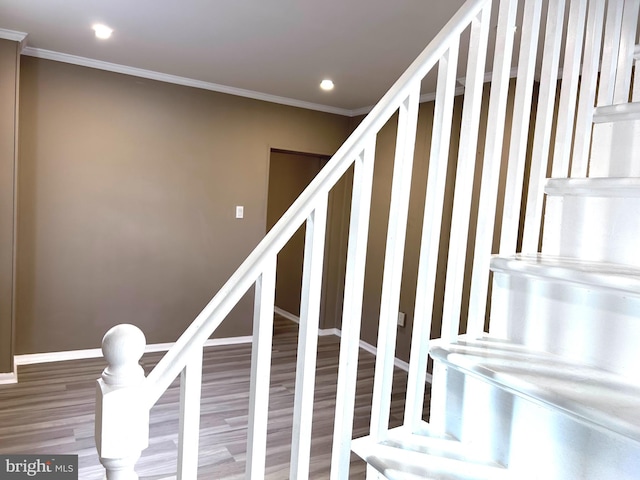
point(407, 456)
point(616, 113)
point(594, 187)
point(596, 275)
point(596, 397)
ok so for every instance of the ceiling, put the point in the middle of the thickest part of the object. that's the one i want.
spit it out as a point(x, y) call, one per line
point(270, 48)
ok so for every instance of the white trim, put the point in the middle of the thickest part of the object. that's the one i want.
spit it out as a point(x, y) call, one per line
point(219, 342)
point(325, 332)
point(401, 364)
point(287, 315)
point(214, 87)
point(617, 113)
point(188, 82)
point(46, 357)
point(35, 358)
point(361, 111)
point(594, 187)
point(13, 35)
point(10, 377)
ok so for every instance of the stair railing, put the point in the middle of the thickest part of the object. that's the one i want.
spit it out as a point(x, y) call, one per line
point(125, 396)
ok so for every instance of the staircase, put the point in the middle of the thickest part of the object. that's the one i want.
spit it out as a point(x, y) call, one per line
point(535, 361)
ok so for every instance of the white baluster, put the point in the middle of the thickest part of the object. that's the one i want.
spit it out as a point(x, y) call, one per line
point(490, 178)
point(544, 122)
point(308, 340)
point(122, 416)
point(610, 50)
point(189, 431)
point(393, 258)
point(517, 145)
point(260, 370)
point(586, 102)
point(627, 47)
point(432, 223)
point(569, 89)
point(352, 310)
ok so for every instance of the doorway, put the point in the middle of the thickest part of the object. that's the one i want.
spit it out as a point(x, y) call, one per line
point(289, 175)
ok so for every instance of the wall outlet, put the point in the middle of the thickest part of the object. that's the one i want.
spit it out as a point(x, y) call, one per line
point(401, 319)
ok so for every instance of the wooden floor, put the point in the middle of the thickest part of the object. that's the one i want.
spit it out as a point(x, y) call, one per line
point(51, 411)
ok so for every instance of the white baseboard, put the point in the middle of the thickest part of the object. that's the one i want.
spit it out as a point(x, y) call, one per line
point(325, 332)
point(9, 377)
point(287, 315)
point(35, 358)
point(49, 357)
point(401, 364)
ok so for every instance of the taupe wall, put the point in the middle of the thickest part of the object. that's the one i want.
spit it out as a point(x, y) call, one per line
point(9, 72)
point(127, 195)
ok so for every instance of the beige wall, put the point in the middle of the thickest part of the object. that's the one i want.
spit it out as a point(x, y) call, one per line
point(9, 71)
point(127, 196)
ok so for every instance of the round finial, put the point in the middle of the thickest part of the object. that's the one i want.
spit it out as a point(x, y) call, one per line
point(122, 347)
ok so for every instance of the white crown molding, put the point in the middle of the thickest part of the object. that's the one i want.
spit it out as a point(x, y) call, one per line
point(361, 111)
point(187, 82)
point(35, 358)
point(14, 36)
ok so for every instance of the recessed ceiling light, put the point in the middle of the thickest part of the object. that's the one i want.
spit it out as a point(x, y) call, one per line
point(102, 31)
point(326, 84)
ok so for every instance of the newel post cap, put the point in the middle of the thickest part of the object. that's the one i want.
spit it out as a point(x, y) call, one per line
point(122, 347)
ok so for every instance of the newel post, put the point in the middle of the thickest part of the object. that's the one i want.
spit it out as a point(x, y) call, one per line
point(122, 415)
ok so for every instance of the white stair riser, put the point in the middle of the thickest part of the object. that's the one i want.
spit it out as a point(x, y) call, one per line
point(604, 229)
point(614, 149)
point(582, 323)
point(533, 441)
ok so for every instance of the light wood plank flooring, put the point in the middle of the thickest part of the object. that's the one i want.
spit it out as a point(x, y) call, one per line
point(51, 411)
